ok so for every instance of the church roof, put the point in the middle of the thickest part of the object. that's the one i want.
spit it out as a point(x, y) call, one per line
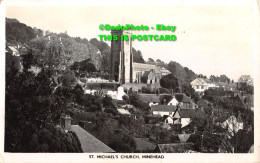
point(146, 73)
point(146, 67)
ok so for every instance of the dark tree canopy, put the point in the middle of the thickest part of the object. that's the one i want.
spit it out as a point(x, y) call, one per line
point(169, 81)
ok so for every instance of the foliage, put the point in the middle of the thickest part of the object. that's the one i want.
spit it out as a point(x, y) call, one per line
point(221, 78)
point(144, 107)
point(84, 67)
point(29, 104)
point(146, 90)
point(184, 75)
point(12, 66)
point(137, 56)
point(169, 81)
point(68, 78)
point(245, 84)
point(17, 32)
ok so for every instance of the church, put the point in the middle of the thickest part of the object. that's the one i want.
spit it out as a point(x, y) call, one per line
point(123, 70)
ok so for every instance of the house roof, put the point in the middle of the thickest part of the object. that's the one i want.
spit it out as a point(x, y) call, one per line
point(174, 147)
point(146, 67)
point(201, 81)
point(89, 143)
point(143, 145)
point(163, 108)
point(181, 97)
point(187, 113)
point(13, 48)
point(162, 69)
point(149, 98)
point(123, 111)
point(222, 84)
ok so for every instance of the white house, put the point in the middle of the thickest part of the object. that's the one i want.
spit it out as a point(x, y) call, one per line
point(181, 99)
point(164, 71)
point(202, 84)
point(173, 101)
point(168, 120)
point(183, 116)
point(233, 124)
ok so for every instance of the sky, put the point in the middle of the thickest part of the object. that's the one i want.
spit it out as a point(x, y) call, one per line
point(211, 39)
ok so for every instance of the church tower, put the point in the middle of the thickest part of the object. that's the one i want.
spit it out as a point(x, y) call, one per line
point(121, 69)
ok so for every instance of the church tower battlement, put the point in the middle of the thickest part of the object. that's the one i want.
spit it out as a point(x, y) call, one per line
point(121, 67)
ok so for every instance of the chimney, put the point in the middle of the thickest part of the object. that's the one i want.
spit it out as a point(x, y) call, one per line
point(60, 41)
point(18, 46)
point(164, 101)
point(66, 122)
point(195, 129)
point(158, 91)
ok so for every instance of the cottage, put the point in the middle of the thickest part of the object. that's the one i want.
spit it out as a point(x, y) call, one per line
point(183, 116)
point(183, 100)
point(161, 110)
point(202, 84)
point(13, 50)
point(168, 119)
point(233, 124)
point(164, 71)
point(153, 99)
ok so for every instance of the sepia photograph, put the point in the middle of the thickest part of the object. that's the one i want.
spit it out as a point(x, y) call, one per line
point(130, 81)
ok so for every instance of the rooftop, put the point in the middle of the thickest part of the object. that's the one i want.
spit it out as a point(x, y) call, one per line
point(187, 113)
point(152, 97)
point(123, 111)
point(89, 143)
point(146, 67)
point(163, 108)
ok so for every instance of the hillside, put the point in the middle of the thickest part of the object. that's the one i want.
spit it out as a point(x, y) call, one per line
point(184, 74)
point(74, 49)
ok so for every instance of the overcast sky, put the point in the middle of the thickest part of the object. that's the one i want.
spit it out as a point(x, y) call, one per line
point(213, 39)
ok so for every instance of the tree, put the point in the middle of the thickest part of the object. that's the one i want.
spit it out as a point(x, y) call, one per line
point(30, 104)
point(150, 61)
point(169, 81)
point(68, 78)
point(245, 84)
point(246, 79)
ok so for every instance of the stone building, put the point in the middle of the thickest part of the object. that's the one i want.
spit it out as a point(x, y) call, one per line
point(123, 69)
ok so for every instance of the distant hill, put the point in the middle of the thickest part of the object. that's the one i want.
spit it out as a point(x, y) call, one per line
point(77, 48)
point(17, 32)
